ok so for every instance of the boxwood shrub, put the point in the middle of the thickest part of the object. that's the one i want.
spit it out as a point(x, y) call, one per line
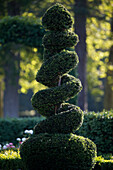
point(14, 162)
point(99, 128)
point(58, 151)
point(59, 148)
point(10, 160)
point(10, 129)
point(96, 126)
point(103, 164)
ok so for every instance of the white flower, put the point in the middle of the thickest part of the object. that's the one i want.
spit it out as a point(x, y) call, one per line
point(6, 144)
point(23, 139)
point(31, 132)
point(4, 147)
point(18, 139)
point(0, 146)
point(26, 131)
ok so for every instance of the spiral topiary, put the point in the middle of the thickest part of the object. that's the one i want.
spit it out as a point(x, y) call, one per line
point(54, 144)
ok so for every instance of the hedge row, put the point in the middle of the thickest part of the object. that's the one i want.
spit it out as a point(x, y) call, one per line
point(11, 129)
point(22, 30)
point(12, 162)
point(103, 164)
point(97, 126)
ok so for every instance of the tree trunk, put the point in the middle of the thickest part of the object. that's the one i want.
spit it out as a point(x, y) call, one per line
point(108, 97)
point(11, 101)
point(11, 97)
point(80, 30)
point(1, 98)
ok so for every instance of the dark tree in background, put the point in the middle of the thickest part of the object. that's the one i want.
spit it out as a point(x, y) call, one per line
point(11, 67)
point(108, 96)
point(11, 63)
point(80, 28)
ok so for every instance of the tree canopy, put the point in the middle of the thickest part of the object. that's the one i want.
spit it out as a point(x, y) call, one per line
point(27, 32)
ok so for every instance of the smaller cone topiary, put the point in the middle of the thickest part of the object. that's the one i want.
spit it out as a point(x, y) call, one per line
point(54, 144)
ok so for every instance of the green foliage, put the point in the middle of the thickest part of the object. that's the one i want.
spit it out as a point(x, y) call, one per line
point(56, 40)
point(99, 128)
point(27, 32)
point(56, 151)
point(96, 126)
point(57, 18)
point(10, 160)
point(98, 32)
point(66, 122)
point(6, 6)
point(22, 30)
point(53, 144)
point(44, 101)
point(103, 164)
point(30, 61)
point(11, 129)
point(67, 59)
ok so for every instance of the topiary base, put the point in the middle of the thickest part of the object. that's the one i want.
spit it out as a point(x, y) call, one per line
point(58, 151)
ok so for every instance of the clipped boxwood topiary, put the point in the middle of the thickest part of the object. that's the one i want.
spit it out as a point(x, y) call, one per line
point(57, 18)
point(58, 151)
point(59, 40)
point(54, 144)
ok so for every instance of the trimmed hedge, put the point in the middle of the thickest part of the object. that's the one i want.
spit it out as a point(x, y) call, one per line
point(99, 128)
point(12, 162)
point(57, 17)
point(58, 148)
point(67, 59)
point(102, 164)
point(96, 126)
point(59, 40)
point(65, 123)
point(10, 129)
point(58, 151)
point(44, 101)
point(22, 30)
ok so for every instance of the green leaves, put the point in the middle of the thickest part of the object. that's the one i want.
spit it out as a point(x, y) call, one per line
point(98, 127)
point(21, 30)
point(57, 41)
point(57, 18)
point(58, 151)
point(56, 66)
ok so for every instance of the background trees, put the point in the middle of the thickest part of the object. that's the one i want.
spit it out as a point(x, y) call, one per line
point(11, 59)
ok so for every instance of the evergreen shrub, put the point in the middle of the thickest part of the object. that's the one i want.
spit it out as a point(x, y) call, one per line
point(11, 30)
point(54, 144)
point(11, 162)
point(57, 18)
point(96, 126)
point(99, 128)
point(58, 151)
point(59, 40)
point(11, 129)
point(103, 164)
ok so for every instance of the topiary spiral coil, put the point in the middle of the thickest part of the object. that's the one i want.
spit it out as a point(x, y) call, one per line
point(54, 144)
